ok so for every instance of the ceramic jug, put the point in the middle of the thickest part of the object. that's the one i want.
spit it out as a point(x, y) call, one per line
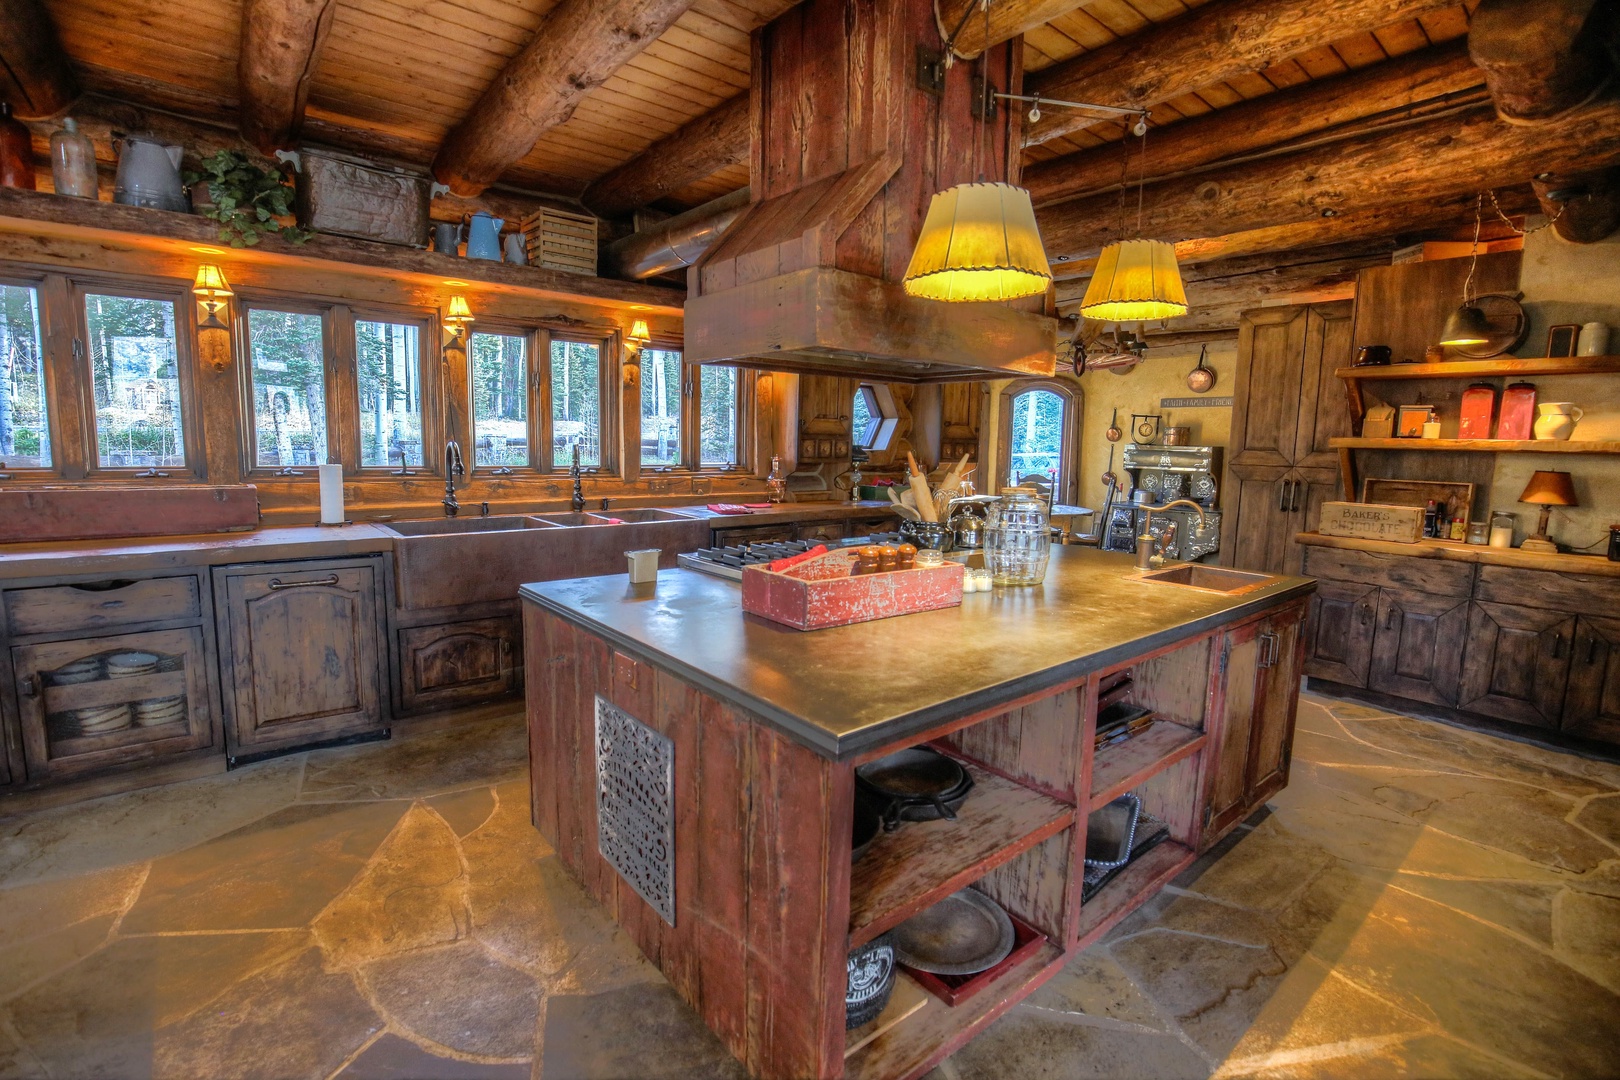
point(484, 237)
point(447, 239)
point(516, 253)
point(1557, 419)
point(149, 175)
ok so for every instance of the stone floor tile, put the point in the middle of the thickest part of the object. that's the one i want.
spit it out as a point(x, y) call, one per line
point(47, 906)
point(395, 1058)
point(1522, 908)
point(1259, 871)
point(140, 825)
point(1191, 913)
point(1323, 917)
point(1422, 1057)
point(411, 895)
point(1029, 1045)
point(16, 1063)
point(1093, 985)
point(465, 811)
point(460, 997)
point(1213, 989)
point(414, 766)
point(277, 872)
point(643, 1031)
point(292, 1020)
point(29, 961)
point(98, 1017)
point(1601, 815)
point(1586, 931)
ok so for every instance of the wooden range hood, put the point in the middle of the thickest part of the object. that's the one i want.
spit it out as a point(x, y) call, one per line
point(847, 151)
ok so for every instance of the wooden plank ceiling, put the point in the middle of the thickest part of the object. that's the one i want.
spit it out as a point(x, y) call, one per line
point(396, 75)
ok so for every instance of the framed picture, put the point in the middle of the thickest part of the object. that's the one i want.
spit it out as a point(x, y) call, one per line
point(1561, 340)
point(1409, 420)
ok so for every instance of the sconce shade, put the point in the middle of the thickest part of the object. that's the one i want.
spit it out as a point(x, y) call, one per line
point(1549, 489)
point(1135, 281)
point(979, 242)
point(458, 314)
point(1466, 326)
point(211, 283)
point(639, 332)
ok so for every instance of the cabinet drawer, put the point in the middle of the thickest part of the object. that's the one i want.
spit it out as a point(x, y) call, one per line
point(752, 534)
point(1434, 576)
point(821, 531)
point(1582, 594)
point(459, 663)
point(92, 605)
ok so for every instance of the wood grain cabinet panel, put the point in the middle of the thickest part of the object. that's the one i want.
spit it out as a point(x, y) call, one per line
point(1516, 663)
point(822, 532)
point(301, 658)
point(95, 605)
point(1266, 422)
point(1418, 648)
point(1339, 632)
point(459, 663)
point(1592, 703)
point(1258, 525)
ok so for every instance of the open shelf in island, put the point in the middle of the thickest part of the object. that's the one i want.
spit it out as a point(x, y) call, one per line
point(1135, 884)
point(1120, 767)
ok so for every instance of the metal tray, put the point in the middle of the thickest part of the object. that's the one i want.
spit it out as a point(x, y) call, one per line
point(964, 933)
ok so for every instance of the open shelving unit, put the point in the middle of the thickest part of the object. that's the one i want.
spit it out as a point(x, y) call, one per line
point(1488, 446)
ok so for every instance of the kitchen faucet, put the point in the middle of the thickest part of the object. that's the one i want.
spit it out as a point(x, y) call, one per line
point(453, 467)
point(577, 503)
point(1145, 555)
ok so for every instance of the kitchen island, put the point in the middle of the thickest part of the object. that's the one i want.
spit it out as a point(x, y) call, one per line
point(743, 891)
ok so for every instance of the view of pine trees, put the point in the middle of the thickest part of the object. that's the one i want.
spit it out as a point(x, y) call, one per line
point(136, 381)
point(1036, 435)
point(500, 388)
point(24, 432)
point(386, 358)
point(289, 388)
point(576, 403)
point(660, 407)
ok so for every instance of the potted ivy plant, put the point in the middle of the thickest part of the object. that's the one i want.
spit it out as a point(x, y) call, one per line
point(248, 200)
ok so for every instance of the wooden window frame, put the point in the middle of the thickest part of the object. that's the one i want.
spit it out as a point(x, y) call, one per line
point(247, 301)
point(1073, 408)
point(537, 342)
point(48, 365)
point(610, 363)
point(692, 421)
point(432, 362)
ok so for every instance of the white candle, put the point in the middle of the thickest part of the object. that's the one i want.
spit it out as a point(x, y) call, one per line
point(331, 494)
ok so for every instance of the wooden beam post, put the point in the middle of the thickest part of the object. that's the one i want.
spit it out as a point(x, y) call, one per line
point(580, 44)
point(1585, 204)
point(1541, 57)
point(1407, 86)
point(1207, 45)
point(697, 149)
point(35, 75)
point(1008, 19)
point(281, 45)
point(1438, 159)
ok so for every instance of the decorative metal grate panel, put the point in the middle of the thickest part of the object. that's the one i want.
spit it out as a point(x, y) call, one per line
point(635, 805)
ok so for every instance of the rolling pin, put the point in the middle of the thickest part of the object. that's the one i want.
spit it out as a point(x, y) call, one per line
point(919, 489)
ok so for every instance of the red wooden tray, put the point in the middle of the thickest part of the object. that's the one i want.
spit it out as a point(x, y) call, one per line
point(819, 592)
point(955, 989)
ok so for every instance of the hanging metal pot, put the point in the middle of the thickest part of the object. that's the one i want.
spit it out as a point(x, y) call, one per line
point(1113, 434)
point(1201, 379)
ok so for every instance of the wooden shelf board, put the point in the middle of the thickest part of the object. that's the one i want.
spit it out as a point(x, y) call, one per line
point(1121, 767)
point(922, 1040)
point(1489, 446)
point(1501, 367)
point(922, 862)
point(1135, 884)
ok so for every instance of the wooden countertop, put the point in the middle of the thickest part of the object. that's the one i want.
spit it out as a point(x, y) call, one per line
point(61, 557)
point(1452, 551)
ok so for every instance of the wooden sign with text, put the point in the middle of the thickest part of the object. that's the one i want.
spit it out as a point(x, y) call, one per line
point(1372, 521)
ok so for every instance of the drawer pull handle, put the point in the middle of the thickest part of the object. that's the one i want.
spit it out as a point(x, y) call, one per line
point(276, 584)
point(102, 586)
point(1558, 647)
point(30, 686)
point(1591, 650)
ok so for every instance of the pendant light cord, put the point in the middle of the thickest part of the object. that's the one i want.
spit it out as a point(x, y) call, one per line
point(1473, 260)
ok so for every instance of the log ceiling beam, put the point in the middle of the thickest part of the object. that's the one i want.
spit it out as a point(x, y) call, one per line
point(578, 46)
point(1406, 87)
point(35, 76)
point(693, 151)
point(1008, 19)
point(1415, 165)
point(281, 46)
point(1541, 57)
point(1210, 44)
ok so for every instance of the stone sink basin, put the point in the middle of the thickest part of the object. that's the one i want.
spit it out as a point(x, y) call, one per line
point(1208, 578)
point(450, 562)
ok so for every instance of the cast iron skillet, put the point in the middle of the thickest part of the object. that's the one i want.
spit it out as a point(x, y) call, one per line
point(917, 784)
point(868, 823)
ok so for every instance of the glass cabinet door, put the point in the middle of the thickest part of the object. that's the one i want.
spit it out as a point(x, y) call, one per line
point(96, 702)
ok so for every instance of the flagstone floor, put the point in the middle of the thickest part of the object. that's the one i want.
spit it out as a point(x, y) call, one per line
point(1421, 901)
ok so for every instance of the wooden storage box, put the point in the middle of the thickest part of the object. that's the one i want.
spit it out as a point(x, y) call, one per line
point(1372, 521)
point(819, 592)
point(352, 197)
point(558, 240)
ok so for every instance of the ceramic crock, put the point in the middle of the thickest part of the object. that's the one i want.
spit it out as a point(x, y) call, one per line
point(1557, 419)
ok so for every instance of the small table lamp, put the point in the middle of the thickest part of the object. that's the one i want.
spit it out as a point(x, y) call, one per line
point(1546, 490)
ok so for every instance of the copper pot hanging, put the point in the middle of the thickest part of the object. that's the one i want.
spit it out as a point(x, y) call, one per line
point(1201, 379)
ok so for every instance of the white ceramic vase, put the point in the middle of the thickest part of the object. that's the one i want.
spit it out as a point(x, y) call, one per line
point(1557, 419)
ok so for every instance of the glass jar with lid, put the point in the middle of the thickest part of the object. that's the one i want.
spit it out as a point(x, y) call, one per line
point(1017, 538)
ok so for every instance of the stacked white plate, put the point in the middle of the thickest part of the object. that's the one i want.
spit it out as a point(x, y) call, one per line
point(102, 719)
point(85, 670)
point(160, 711)
point(127, 665)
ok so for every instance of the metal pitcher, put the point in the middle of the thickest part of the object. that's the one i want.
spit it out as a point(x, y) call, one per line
point(517, 252)
point(447, 238)
point(149, 174)
point(484, 237)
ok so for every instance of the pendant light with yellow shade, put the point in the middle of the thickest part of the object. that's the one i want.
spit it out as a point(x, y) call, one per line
point(1135, 280)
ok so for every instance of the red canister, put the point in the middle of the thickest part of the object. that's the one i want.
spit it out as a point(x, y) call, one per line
point(16, 151)
point(1478, 404)
point(1518, 412)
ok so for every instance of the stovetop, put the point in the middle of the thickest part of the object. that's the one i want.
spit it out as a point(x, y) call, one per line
point(728, 562)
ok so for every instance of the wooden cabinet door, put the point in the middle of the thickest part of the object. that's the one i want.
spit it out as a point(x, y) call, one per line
point(1228, 784)
point(1516, 663)
point(1592, 704)
point(1308, 490)
point(1418, 647)
point(1276, 701)
point(459, 663)
point(1266, 400)
point(1323, 412)
point(1339, 632)
point(300, 645)
point(1257, 524)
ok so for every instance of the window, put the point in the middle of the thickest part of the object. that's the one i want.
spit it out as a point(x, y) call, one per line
point(717, 417)
point(135, 375)
point(1038, 437)
point(287, 370)
point(500, 391)
point(865, 416)
point(25, 436)
point(874, 418)
point(660, 407)
point(388, 360)
point(576, 403)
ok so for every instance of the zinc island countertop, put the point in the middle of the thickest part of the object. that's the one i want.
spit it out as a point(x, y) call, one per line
point(847, 689)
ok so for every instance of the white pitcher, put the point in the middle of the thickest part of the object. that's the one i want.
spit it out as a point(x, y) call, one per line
point(1557, 419)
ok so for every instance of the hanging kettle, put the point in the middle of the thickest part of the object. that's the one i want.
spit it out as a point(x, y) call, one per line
point(1201, 379)
point(484, 237)
point(149, 174)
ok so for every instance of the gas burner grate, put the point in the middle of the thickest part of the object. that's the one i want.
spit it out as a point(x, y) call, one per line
point(729, 561)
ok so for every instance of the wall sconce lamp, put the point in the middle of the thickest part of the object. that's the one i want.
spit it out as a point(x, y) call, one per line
point(639, 335)
point(457, 318)
point(635, 341)
point(212, 291)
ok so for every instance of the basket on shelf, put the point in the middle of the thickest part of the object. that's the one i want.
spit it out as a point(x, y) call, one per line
point(559, 240)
